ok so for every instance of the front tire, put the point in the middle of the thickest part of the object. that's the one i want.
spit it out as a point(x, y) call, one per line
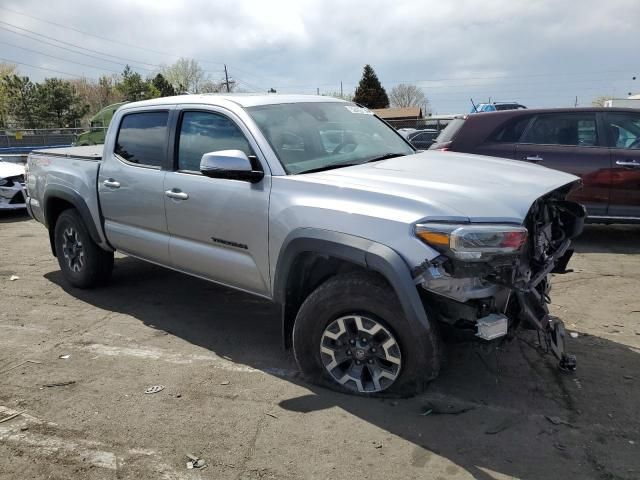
point(83, 263)
point(351, 335)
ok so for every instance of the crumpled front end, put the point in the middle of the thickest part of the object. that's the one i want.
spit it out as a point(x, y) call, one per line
point(495, 279)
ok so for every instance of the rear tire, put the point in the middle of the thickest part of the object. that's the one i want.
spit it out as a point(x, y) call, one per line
point(351, 335)
point(83, 263)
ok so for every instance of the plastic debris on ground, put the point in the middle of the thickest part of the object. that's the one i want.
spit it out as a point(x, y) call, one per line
point(154, 389)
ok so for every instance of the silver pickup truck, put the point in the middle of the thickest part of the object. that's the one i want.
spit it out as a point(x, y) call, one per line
point(370, 248)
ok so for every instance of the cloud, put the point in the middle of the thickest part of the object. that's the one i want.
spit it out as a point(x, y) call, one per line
point(539, 52)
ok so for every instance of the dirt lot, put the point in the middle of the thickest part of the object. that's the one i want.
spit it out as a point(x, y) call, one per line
point(232, 395)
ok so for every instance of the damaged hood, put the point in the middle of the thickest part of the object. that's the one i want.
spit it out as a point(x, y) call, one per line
point(8, 169)
point(452, 186)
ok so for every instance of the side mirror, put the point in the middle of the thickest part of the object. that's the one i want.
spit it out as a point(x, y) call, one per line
point(230, 164)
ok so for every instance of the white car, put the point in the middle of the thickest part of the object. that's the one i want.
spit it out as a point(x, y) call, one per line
point(11, 183)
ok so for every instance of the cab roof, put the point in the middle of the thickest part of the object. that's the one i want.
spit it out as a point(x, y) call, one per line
point(241, 99)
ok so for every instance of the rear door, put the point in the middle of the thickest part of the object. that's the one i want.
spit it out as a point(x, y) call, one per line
point(570, 142)
point(130, 186)
point(219, 227)
point(623, 131)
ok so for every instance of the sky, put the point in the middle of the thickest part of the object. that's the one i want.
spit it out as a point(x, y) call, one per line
point(541, 53)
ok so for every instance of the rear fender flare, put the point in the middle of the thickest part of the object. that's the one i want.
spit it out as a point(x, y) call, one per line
point(72, 197)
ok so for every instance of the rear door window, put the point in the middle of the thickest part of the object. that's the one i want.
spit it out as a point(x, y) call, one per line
point(142, 138)
point(563, 129)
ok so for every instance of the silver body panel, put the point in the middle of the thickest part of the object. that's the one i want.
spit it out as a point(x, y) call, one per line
point(232, 232)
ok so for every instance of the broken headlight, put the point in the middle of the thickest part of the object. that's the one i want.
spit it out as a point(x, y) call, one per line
point(472, 242)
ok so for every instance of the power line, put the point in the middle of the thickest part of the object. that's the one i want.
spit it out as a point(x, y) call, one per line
point(77, 46)
point(58, 58)
point(44, 68)
point(83, 32)
point(69, 50)
point(120, 42)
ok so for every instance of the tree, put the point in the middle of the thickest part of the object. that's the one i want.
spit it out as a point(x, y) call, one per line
point(599, 101)
point(58, 105)
point(405, 95)
point(370, 92)
point(6, 70)
point(22, 100)
point(185, 75)
point(96, 94)
point(164, 87)
point(133, 88)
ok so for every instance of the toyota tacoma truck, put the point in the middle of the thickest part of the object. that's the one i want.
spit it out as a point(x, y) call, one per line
point(370, 248)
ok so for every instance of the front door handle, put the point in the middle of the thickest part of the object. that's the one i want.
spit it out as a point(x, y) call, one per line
point(628, 163)
point(533, 158)
point(176, 194)
point(111, 183)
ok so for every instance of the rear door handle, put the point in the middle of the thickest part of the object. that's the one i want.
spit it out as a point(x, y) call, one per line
point(111, 183)
point(176, 194)
point(533, 158)
point(628, 163)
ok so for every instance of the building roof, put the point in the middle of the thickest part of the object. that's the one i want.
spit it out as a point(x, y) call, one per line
point(403, 112)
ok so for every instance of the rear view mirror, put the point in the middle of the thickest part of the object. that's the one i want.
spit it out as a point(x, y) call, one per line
point(230, 164)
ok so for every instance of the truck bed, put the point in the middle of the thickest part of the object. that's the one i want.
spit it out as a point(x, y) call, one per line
point(89, 152)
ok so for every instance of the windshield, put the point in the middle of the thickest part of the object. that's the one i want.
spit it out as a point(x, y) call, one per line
point(315, 136)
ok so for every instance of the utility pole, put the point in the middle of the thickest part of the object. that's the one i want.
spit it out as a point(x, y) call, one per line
point(226, 76)
point(341, 94)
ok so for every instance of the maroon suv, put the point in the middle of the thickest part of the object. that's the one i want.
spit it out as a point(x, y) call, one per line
point(600, 145)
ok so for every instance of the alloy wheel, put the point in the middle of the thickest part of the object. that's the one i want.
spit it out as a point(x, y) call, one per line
point(72, 249)
point(360, 354)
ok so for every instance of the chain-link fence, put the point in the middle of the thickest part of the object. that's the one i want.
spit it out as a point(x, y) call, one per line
point(25, 140)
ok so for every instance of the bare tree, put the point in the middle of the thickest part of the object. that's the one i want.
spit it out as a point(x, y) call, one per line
point(185, 74)
point(406, 95)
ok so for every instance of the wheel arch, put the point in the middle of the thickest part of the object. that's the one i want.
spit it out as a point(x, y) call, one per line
point(59, 198)
point(344, 253)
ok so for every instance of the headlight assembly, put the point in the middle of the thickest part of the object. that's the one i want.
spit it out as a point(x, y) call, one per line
point(472, 242)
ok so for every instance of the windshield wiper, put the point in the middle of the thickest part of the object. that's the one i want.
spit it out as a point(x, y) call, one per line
point(385, 156)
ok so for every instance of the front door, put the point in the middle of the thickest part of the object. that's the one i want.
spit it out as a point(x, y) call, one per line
point(570, 142)
point(624, 140)
point(218, 227)
point(130, 186)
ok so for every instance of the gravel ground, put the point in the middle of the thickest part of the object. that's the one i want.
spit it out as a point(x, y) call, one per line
point(232, 396)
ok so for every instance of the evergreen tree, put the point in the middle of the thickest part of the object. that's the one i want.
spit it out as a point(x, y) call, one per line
point(164, 87)
point(22, 100)
point(58, 104)
point(370, 92)
point(133, 88)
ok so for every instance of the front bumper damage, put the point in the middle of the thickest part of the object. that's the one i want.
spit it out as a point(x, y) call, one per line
point(498, 297)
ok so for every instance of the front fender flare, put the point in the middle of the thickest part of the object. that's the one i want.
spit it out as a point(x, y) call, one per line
point(360, 251)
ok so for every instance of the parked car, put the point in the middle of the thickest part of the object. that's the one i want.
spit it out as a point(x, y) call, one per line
point(364, 244)
point(11, 184)
point(423, 139)
point(495, 107)
point(600, 145)
point(99, 124)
